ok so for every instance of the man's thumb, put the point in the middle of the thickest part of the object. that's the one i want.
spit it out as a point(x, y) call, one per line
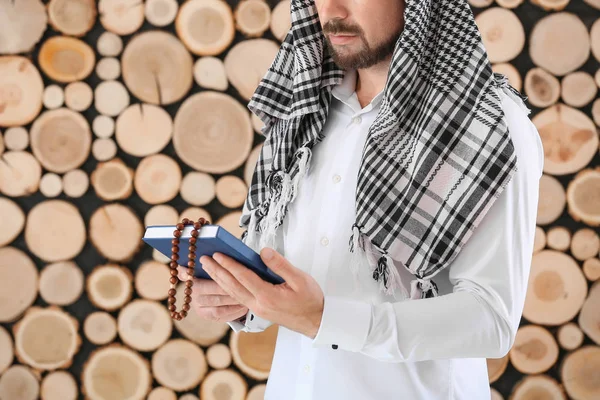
point(277, 263)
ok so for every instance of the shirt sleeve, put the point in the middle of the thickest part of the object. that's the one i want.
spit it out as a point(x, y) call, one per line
point(481, 315)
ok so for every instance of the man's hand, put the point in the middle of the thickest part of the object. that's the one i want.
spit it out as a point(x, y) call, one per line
point(211, 302)
point(296, 304)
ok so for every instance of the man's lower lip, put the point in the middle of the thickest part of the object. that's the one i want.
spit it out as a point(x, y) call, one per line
point(340, 39)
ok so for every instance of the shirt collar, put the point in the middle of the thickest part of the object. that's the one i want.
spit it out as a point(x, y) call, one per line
point(345, 92)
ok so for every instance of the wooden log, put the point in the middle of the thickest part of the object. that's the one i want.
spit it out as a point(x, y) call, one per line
point(100, 328)
point(559, 43)
point(578, 88)
point(199, 330)
point(552, 200)
point(218, 356)
point(509, 3)
point(152, 280)
point(496, 367)
point(59, 385)
point(511, 72)
point(589, 318)
point(162, 393)
point(116, 372)
point(595, 39)
point(16, 266)
point(55, 230)
point(538, 387)
point(223, 381)
point(23, 25)
point(251, 164)
point(21, 90)
point(591, 269)
point(72, 17)
point(53, 97)
point(179, 364)
point(257, 123)
point(19, 383)
point(61, 283)
point(1, 143)
point(281, 19)
point(495, 395)
point(231, 191)
point(104, 149)
point(108, 68)
point(551, 5)
point(78, 96)
point(46, 338)
point(144, 325)
point(161, 12)
point(585, 244)
point(13, 221)
point(541, 87)
point(157, 68)
point(109, 44)
point(257, 392)
point(247, 62)
point(189, 396)
point(253, 352)
point(593, 3)
point(212, 132)
point(20, 174)
point(230, 222)
point(61, 140)
point(209, 73)
point(6, 350)
point(198, 188)
point(569, 138)
point(579, 373)
point(16, 138)
point(206, 27)
point(122, 17)
point(596, 111)
point(111, 98)
point(569, 336)
point(75, 183)
point(556, 289)
point(109, 286)
point(582, 195)
point(51, 185)
point(162, 214)
point(502, 33)
point(252, 17)
point(112, 180)
point(103, 126)
point(539, 241)
point(66, 59)
point(480, 3)
point(157, 178)
point(535, 350)
point(143, 129)
point(559, 238)
point(116, 232)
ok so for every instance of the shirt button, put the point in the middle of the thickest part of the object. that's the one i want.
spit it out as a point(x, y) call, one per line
point(307, 368)
point(357, 120)
point(336, 178)
point(324, 241)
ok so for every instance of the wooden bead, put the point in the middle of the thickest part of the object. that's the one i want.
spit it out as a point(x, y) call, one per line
point(194, 233)
point(173, 264)
point(171, 300)
point(186, 307)
point(187, 299)
point(189, 283)
point(172, 292)
point(174, 272)
point(175, 249)
point(173, 279)
point(193, 240)
point(179, 226)
point(183, 314)
point(175, 256)
point(187, 291)
point(191, 263)
point(172, 307)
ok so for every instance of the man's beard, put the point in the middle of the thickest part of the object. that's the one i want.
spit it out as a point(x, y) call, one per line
point(366, 56)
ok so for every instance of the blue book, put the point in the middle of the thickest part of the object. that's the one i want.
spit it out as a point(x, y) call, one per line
point(212, 238)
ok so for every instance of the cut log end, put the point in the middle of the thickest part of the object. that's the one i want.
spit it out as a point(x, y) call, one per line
point(13, 220)
point(16, 138)
point(496, 367)
point(231, 191)
point(66, 59)
point(157, 178)
point(61, 283)
point(538, 387)
point(72, 17)
point(535, 350)
point(257, 392)
point(578, 89)
point(209, 73)
point(75, 183)
point(108, 68)
point(23, 25)
point(78, 96)
point(591, 269)
point(252, 17)
point(205, 27)
point(21, 90)
point(116, 372)
point(559, 238)
point(219, 356)
point(179, 365)
point(580, 371)
point(111, 98)
point(51, 184)
point(570, 336)
point(502, 33)
point(281, 20)
point(109, 286)
point(541, 87)
point(59, 385)
point(6, 350)
point(46, 338)
point(253, 352)
point(198, 188)
point(223, 383)
point(143, 129)
point(585, 244)
point(116, 232)
point(16, 266)
point(144, 325)
point(112, 180)
point(162, 214)
point(582, 194)
point(162, 393)
point(19, 383)
point(100, 328)
point(104, 149)
point(20, 174)
point(161, 12)
point(552, 200)
point(540, 239)
point(109, 44)
point(589, 318)
point(122, 17)
point(152, 280)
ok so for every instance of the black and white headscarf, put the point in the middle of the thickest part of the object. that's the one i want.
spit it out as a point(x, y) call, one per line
point(436, 157)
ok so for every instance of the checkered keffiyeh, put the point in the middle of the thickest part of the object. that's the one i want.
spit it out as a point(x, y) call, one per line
point(436, 158)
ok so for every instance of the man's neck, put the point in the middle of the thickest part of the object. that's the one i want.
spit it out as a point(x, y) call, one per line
point(371, 81)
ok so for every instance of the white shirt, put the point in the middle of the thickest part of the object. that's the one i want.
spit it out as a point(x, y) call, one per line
point(410, 349)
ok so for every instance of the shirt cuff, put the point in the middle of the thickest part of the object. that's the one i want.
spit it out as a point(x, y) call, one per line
point(345, 324)
point(249, 323)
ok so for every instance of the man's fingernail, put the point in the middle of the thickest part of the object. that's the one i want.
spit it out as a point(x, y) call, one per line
point(268, 253)
point(218, 257)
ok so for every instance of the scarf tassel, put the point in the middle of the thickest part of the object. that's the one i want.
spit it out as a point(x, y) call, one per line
point(422, 288)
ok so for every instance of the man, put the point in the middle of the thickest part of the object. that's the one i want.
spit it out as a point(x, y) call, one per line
point(430, 161)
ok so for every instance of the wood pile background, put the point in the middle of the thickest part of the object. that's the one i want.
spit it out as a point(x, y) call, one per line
point(119, 114)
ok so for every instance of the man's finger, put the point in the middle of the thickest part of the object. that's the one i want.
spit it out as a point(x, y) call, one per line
point(215, 300)
point(228, 281)
point(201, 286)
point(244, 275)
